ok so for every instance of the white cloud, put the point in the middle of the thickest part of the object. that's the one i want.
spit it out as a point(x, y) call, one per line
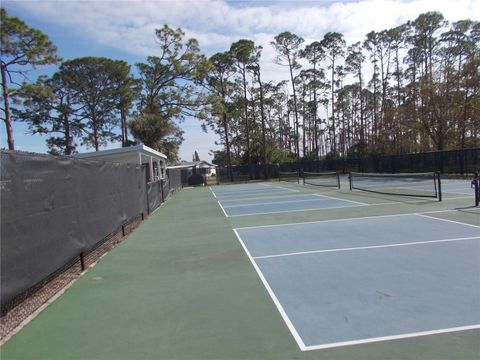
point(129, 25)
point(216, 23)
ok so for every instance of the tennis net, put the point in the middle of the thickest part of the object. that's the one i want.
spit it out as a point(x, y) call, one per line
point(407, 184)
point(328, 179)
point(289, 176)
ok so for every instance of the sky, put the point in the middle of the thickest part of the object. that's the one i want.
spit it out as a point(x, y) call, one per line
point(124, 29)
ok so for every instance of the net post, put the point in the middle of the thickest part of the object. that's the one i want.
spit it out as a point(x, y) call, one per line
point(298, 176)
point(439, 182)
point(476, 185)
point(350, 180)
point(338, 180)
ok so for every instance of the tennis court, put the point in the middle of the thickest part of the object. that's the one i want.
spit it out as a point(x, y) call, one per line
point(283, 271)
point(463, 187)
point(357, 280)
point(346, 282)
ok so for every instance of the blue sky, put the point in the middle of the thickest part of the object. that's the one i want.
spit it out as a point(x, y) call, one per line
point(124, 30)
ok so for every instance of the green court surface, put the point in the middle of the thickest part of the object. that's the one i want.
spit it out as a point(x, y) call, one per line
point(182, 287)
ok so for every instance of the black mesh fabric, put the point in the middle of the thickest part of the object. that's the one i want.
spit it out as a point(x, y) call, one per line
point(54, 208)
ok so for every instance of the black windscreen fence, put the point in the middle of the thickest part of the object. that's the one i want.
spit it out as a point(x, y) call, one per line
point(154, 195)
point(465, 161)
point(172, 183)
point(55, 208)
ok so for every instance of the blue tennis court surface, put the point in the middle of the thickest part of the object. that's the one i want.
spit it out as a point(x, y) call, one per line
point(352, 281)
point(271, 205)
point(457, 187)
point(249, 190)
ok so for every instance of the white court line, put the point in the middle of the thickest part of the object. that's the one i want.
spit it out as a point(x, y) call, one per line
point(278, 202)
point(248, 188)
point(281, 187)
point(215, 196)
point(324, 221)
point(291, 211)
point(456, 198)
point(455, 192)
point(366, 247)
point(352, 201)
point(450, 221)
point(235, 193)
point(392, 337)
point(271, 196)
point(405, 202)
point(221, 207)
point(299, 340)
point(279, 306)
point(418, 201)
point(348, 219)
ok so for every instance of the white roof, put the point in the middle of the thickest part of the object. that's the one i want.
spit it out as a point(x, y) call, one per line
point(129, 154)
point(200, 164)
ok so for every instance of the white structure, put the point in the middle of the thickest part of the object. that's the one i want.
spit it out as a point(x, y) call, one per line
point(140, 155)
point(205, 168)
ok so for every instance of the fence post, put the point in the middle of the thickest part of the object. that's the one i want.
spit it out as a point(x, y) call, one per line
point(148, 201)
point(162, 195)
point(82, 261)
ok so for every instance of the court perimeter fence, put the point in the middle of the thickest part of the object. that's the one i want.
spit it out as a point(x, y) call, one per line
point(56, 210)
point(462, 162)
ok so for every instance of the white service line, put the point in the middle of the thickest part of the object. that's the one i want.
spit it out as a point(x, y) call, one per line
point(279, 306)
point(271, 196)
point(281, 187)
point(352, 201)
point(366, 247)
point(450, 221)
point(292, 211)
point(353, 218)
point(243, 189)
point(323, 221)
point(275, 203)
point(456, 198)
point(455, 192)
point(416, 201)
point(392, 337)
point(235, 194)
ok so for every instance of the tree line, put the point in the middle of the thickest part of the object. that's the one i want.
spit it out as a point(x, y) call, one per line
point(408, 89)
point(95, 100)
